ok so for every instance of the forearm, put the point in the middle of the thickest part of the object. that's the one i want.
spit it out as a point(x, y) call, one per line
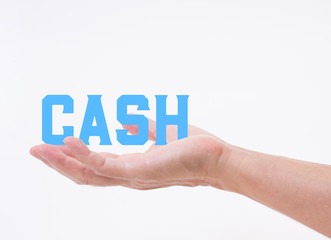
point(298, 189)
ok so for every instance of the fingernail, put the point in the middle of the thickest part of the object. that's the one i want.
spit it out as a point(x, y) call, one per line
point(33, 150)
point(67, 140)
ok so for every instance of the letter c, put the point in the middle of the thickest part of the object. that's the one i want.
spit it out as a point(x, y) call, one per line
point(47, 118)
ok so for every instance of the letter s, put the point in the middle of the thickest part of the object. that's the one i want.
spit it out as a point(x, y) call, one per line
point(125, 119)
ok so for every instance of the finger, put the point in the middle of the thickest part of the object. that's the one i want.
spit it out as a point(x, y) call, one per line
point(66, 150)
point(133, 129)
point(172, 131)
point(107, 154)
point(34, 153)
point(70, 167)
point(89, 158)
point(195, 131)
point(122, 167)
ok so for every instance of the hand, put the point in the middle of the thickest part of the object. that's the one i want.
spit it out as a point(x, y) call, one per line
point(186, 162)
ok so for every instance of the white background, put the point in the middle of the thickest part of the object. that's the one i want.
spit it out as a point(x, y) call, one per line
point(258, 75)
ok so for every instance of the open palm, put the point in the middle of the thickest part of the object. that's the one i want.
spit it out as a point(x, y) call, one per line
point(185, 162)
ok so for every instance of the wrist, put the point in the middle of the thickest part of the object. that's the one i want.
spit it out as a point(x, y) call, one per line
point(225, 172)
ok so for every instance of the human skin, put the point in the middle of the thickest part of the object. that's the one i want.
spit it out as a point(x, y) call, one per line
point(298, 189)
